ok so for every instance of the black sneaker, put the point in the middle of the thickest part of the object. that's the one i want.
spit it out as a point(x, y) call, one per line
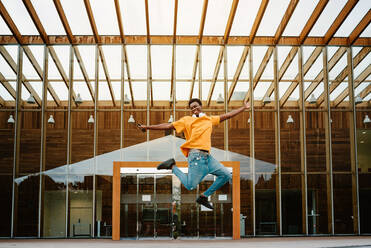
point(166, 165)
point(204, 202)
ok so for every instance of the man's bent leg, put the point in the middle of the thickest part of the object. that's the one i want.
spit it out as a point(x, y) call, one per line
point(223, 175)
point(190, 180)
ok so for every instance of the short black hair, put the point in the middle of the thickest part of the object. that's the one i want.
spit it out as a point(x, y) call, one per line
point(194, 100)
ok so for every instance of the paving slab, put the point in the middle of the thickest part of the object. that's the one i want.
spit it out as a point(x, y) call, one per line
point(286, 242)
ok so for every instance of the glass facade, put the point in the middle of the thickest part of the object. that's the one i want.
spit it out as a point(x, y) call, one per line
point(305, 165)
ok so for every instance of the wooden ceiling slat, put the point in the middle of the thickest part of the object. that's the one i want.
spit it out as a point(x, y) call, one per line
point(11, 25)
point(331, 63)
point(258, 20)
point(62, 16)
point(129, 77)
point(285, 20)
point(312, 20)
point(361, 77)
point(202, 24)
point(195, 63)
point(237, 74)
point(147, 22)
point(36, 20)
point(215, 75)
point(308, 64)
point(106, 73)
point(83, 70)
point(7, 86)
point(365, 92)
point(119, 20)
point(2, 102)
point(232, 13)
point(173, 48)
point(339, 19)
point(39, 71)
point(362, 25)
point(92, 21)
point(344, 73)
point(13, 65)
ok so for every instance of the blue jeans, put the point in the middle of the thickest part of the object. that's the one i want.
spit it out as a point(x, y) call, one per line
point(200, 164)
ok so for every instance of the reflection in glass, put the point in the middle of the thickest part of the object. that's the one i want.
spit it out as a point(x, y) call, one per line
point(364, 181)
point(223, 211)
point(207, 216)
point(239, 134)
point(80, 207)
point(189, 212)
point(340, 138)
point(82, 137)
point(128, 207)
point(290, 141)
point(315, 141)
point(103, 206)
point(109, 132)
point(146, 206)
point(246, 223)
point(54, 206)
point(265, 204)
point(164, 209)
point(343, 207)
point(291, 204)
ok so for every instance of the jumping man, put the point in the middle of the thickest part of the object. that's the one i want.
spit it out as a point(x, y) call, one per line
point(197, 131)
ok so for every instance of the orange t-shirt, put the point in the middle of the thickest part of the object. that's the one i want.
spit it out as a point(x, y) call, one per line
point(197, 131)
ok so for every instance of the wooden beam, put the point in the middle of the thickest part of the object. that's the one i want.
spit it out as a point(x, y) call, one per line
point(361, 77)
point(2, 102)
point(149, 73)
point(175, 20)
point(182, 40)
point(202, 24)
point(9, 22)
point(312, 20)
point(308, 64)
point(258, 20)
point(7, 86)
point(362, 25)
point(344, 73)
point(106, 73)
point(119, 20)
point(36, 20)
point(13, 65)
point(92, 21)
point(83, 70)
point(194, 72)
point(285, 20)
point(365, 92)
point(331, 63)
point(290, 57)
point(238, 72)
point(232, 13)
point(173, 49)
point(261, 69)
point(39, 72)
point(215, 75)
point(147, 22)
point(64, 21)
point(129, 77)
point(339, 19)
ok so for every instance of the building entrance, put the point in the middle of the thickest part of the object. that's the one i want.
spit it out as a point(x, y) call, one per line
point(153, 205)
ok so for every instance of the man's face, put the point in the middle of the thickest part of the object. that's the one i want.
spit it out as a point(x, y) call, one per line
point(196, 108)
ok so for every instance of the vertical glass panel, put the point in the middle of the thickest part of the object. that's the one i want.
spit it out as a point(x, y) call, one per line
point(104, 14)
point(4, 29)
point(6, 171)
point(315, 141)
point(189, 212)
point(54, 206)
point(26, 206)
point(265, 158)
point(161, 17)
point(161, 61)
point(103, 206)
point(112, 55)
point(88, 59)
point(239, 134)
point(146, 206)
point(209, 61)
point(133, 16)
point(234, 54)
point(108, 132)
point(292, 213)
point(80, 207)
point(132, 135)
point(128, 206)
point(104, 93)
point(28, 69)
point(164, 210)
point(240, 91)
point(318, 203)
point(29, 159)
point(77, 17)
point(19, 14)
point(82, 142)
point(217, 16)
point(340, 137)
point(364, 180)
point(205, 90)
point(207, 216)
point(63, 56)
point(137, 60)
point(61, 91)
point(244, 17)
point(327, 17)
point(183, 90)
point(4, 94)
point(272, 17)
point(223, 211)
point(343, 210)
point(265, 204)
point(56, 142)
point(290, 142)
point(185, 59)
point(246, 224)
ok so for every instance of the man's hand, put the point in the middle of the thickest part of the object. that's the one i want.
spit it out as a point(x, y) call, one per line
point(142, 128)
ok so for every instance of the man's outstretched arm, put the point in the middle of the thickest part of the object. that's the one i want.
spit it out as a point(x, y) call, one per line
point(235, 112)
point(162, 126)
